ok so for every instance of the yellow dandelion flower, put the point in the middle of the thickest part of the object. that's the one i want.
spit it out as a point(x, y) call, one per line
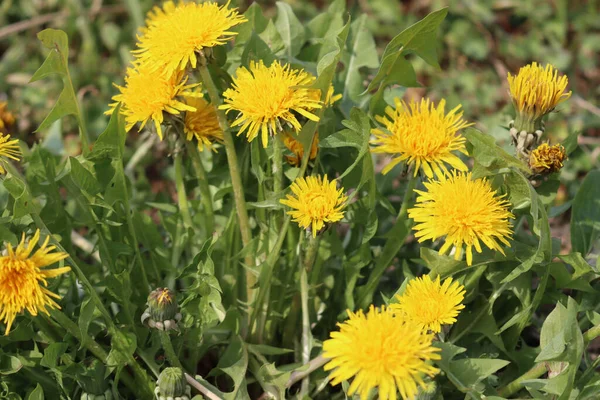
point(536, 90)
point(202, 124)
point(315, 201)
point(380, 351)
point(6, 117)
point(147, 95)
point(267, 97)
point(465, 212)
point(9, 148)
point(547, 159)
point(422, 135)
point(175, 33)
point(431, 304)
point(23, 279)
point(294, 145)
point(329, 99)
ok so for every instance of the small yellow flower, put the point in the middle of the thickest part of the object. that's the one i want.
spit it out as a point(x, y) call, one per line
point(431, 304)
point(547, 159)
point(294, 145)
point(315, 201)
point(175, 33)
point(422, 135)
point(267, 97)
point(329, 99)
point(202, 124)
point(6, 117)
point(23, 279)
point(536, 90)
point(148, 94)
point(8, 149)
point(383, 351)
point(465, 212)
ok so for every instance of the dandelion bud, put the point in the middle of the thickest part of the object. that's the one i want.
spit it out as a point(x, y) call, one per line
point(535, 91)
point(163, 311)
point(427, 392)
point(547, 159)
point(171, 385)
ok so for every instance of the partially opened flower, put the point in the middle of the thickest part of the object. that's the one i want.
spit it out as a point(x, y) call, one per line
point(535, 90)
point(431, 304)
point(24, 278)
point(463, 211)
point(202, 124)
point(9, 148)
point(421, 135)
point(175, 33)
point(383, 351)
point(292, 143)
point(267, 98)
point(547, 159)
point(148, 94)
point(315, 201)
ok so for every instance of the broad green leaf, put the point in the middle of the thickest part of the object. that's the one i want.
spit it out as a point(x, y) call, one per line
point(256, 49)
point(290, 28)
point(83, 178)
point(24, 203)
point(123, 346)
point(9, 364)
point(441, 264)
point(234, 362)
point(111, 142)
point(585, 214)
point(486, 152)
point(471, 371)
point(86, 316)
point(37, 394)
point(53, 353)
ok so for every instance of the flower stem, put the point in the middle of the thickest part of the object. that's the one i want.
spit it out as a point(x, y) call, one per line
point(277, 165)
point(201, 388)
point(181, 194)
point(516, 385)
point(203, 186)
point(391, 247)
point(591, 333)
point(234, 171)
point(165, 340)
point(305, 267)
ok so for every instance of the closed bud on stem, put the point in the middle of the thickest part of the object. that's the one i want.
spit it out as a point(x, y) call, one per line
point(163, 311)
point(427, 392)
point(171, 385)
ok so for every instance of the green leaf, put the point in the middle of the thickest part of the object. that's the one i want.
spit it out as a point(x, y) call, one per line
point(123, 345)
point(585, 215)
point(441, 264)
point(83, 178)
point(420, 39)
point(256, 49)
point(86, 316)
point(111, 143)
point(53, 353)
point(36, 394)
point(487, 153)
point(24, 203)
point(290, 28)
point(234, 362)
point(471, 371)
point(9, 364)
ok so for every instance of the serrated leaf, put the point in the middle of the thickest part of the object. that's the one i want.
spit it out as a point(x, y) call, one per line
point(471, 371)
point(111, 143)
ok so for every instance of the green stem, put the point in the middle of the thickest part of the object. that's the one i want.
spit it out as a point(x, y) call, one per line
point(516, 385)
point(203, 186)
point(277, 165)
point(591, 334)
point(305, 267)
point(390, 249)
point(181, 194)
point(234, 171)
point(165, 340)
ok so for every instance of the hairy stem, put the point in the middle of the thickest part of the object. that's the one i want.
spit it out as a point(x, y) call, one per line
point(165, 340)
point(207, 201)
point(516, 385)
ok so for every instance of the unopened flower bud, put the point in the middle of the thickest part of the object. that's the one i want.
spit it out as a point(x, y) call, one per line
point(428, 391)
point(163, 311)
point(171, 384)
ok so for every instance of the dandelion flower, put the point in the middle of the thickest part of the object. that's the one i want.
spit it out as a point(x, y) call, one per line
point(290, 141)
point(330, 98)
point(23, 279)
point(6, 117)
point(422, 135)
point(431, 304)
point(147, 95)
point(381, 351)
point(9, 148)
point(267, 97)
point(547, 159)
point(175, 33)
point(536, 90)
point(202, 124)
point(315, 201)
point(465, 212)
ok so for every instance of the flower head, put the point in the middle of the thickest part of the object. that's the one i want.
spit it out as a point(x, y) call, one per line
point(547, 159)
point(380, 350)
point(294, 145)
point(423, 135)
point(175, 33)
point(23, 279)
point(267, 97)
point(148, 94)
point(9, 148)
point(536, 90)
point(315, 201)
point(202, 124)
point(6, 117)
point(465, 212)
point(431, 304)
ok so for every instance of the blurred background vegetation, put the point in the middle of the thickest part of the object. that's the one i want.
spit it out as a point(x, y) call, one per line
point(480, 42)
